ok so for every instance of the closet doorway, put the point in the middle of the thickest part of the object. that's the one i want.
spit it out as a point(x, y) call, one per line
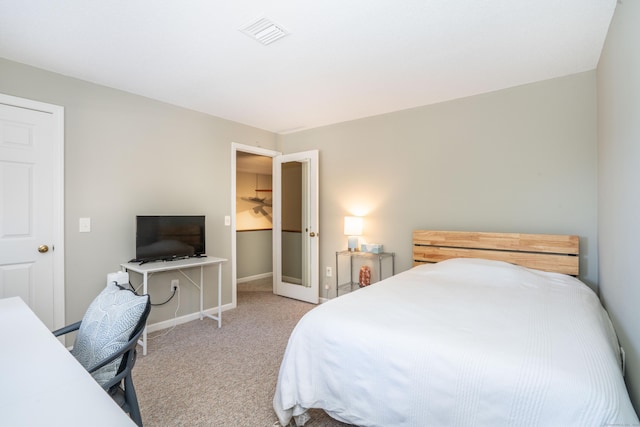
point(260, 206)
point(254, 218)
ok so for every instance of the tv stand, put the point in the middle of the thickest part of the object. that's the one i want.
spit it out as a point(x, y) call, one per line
point(146, 270)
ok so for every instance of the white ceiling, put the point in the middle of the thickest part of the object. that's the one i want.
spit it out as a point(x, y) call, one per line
point(343, 59)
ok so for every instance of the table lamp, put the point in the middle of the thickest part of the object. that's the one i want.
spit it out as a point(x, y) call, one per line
point(353, 229)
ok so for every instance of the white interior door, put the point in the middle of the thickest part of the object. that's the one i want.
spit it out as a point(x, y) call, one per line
point(295, 226)
point(31, 231)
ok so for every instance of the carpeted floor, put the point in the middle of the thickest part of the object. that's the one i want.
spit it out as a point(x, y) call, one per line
point(199, 375)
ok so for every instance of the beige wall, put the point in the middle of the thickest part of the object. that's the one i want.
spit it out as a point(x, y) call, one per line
point(517, 160)
point(128, 155)
point(255, 254)
point(619, 179)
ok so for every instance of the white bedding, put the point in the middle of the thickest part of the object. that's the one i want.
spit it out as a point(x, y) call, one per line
point(465, 342)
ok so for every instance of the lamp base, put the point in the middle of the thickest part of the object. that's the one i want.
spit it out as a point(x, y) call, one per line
point(353, 244)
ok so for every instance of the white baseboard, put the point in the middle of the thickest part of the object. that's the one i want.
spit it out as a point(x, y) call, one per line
point(256, 277)
point(185, 318)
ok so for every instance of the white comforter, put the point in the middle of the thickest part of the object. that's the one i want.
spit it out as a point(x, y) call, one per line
point(459, 343)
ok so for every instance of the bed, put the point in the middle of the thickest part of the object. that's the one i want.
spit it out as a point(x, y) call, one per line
point(487, 329)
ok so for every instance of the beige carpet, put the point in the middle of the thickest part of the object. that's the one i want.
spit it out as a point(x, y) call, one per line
point(199, 375)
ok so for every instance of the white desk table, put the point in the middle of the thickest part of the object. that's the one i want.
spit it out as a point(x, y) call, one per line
point(147, 269)
point(41, 383)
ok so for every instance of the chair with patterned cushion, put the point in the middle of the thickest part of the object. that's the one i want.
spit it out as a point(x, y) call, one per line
point(106, 342)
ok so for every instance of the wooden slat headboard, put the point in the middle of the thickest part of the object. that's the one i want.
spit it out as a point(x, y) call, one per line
point(548, 252)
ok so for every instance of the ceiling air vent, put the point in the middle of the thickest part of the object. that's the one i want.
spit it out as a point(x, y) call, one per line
point(264, 30)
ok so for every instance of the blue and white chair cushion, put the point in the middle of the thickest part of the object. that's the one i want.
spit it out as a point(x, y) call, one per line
point(106, 328)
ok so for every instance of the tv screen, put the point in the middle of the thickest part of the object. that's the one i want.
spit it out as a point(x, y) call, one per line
point(164, 237)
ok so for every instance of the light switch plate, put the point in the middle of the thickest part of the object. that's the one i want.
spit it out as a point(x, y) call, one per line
point(85, 225)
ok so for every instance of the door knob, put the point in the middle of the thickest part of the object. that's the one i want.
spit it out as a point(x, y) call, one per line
point(43, 248)
point(312, 234)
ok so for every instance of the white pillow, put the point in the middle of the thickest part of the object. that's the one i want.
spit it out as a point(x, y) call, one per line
point(106, 327)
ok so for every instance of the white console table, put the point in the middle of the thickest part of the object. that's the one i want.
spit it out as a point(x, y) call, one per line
point(147, 269)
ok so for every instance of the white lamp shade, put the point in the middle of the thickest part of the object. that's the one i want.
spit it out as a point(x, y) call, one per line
point(352, 226)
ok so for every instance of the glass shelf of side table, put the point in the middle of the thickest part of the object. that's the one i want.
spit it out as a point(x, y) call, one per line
point(382, 266)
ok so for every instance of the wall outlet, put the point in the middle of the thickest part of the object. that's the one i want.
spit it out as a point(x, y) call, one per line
point(175, 283)
point(329, 272)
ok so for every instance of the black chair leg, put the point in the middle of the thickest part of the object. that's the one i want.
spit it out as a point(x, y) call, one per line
point(132, 401)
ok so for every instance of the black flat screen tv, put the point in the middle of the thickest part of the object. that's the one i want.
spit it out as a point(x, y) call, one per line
point(167, 237)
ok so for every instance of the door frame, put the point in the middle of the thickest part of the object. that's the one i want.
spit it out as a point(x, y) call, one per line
point(235, 147)
point(57, 113)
